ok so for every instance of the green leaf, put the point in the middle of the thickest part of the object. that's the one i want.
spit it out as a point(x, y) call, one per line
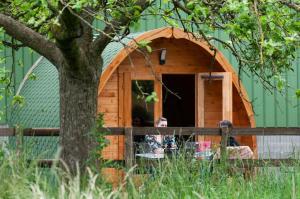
point(280, 82)
point(151, 98)
point(190, 5)
point(149, 49)
point(32, 76)
point(20, 63)
point(18, 100)
point(143, 43)
point(297, 92)
point(31, 20)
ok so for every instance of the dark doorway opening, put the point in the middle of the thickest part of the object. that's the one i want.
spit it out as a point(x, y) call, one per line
point(179, 112)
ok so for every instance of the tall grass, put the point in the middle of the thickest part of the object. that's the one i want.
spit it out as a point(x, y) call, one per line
point(179, 177)
point(183, 178)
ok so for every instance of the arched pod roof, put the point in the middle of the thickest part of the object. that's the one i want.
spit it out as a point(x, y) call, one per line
point(42, 100)
point(169, 32)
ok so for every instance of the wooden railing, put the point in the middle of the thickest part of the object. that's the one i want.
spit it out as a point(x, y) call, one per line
point(129, 133)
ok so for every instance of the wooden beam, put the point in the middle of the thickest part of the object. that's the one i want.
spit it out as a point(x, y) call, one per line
point(199, 94)
point(30, 132)
point(207, 131)
point(7, 131)
point(267, 131)
point(227, 96)
point(215, 131)
point(212, 76)
point(127, 100)
point(121, 99)
point(129, 154)
point(158, 105)
point(113, 130)
point(279, 131)
point(142, 76)
point(175, 130)
point(41, 132)
point(225, 129)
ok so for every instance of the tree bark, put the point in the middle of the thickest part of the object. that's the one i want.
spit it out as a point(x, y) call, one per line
point(30, 38)
point(78, 109)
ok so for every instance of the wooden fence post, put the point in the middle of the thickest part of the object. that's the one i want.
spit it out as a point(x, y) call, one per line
point(129, 156)
point(225, 130)
point(19, 140)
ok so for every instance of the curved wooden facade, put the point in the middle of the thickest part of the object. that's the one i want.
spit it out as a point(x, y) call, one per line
point(226, 99)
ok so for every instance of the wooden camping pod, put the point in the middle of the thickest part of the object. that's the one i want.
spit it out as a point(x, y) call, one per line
point(214, 100)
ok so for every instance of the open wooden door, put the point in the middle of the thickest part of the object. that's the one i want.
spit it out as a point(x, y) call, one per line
point(213, 101)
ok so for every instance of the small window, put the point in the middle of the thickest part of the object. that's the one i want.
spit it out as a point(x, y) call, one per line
point(143, 98)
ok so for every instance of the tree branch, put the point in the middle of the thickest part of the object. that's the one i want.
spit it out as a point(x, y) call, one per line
point(113, 28)
point(291, 5)
point(31, 39)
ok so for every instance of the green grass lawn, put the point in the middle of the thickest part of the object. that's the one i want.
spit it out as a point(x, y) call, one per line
point(180, 177)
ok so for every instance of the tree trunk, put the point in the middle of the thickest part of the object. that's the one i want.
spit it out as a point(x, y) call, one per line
point(78, 109)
